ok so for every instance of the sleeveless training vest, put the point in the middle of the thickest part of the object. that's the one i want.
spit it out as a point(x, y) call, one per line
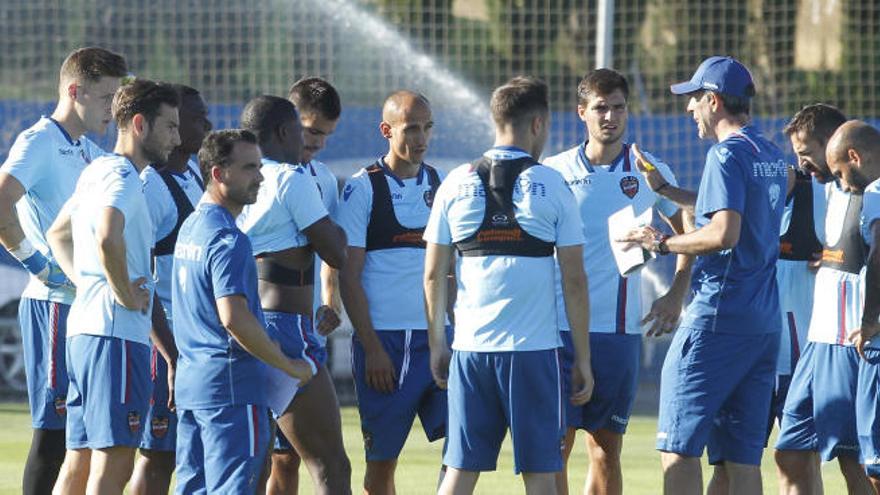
point(799, 242)
point(184, 208)
point(384, 231)
point(850, 252)
point(500, 233)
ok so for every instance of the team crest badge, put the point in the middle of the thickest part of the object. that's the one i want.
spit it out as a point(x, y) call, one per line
point(134, 421)
point(429, 198)
point(629, 185)
point(159, 426)
point(60, 406)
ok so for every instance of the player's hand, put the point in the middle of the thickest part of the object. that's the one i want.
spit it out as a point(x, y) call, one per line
point(327, 320)
point(301, 370)
point(46, 270)
point(652, 176)
point(861, 336)
point(379, 370)
point(440, 366)
point(172, 370)
point(581, 383)
point(815, 262)
point(138, 297)
point(664, 314)
point(642, 236)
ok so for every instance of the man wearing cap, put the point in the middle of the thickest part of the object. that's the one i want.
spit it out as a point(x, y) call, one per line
point(719, 371)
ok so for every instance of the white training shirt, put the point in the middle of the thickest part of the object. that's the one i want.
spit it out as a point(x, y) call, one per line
point(327, 186)
point(392, 278)
point(47, 163)
point(288, 203)
point(506, 303)
point(163, 213)
point(600, 191)
point(870, 214)
point(110, 181)
point(838, 296)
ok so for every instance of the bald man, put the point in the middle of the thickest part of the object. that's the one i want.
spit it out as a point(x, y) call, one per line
point(853, 155)
point(384, 208)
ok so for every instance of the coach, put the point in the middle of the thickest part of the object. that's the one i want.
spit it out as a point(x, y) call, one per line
point(718, 375)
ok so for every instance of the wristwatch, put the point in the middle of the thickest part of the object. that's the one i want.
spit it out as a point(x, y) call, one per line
point(660, 245)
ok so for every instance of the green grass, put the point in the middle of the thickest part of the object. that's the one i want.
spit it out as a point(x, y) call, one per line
point(420, 460)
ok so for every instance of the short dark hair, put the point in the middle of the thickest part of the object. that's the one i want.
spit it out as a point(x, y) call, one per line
point(518, 100)
point(184, 91)
point(91, 64)
point(264, 114)
point(217, 147)
point(735, 105)
point(817, 121)
point(142, 96)
point(601, 82)
point(313, 95)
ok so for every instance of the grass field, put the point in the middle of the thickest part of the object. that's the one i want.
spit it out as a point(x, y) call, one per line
point(418, 464)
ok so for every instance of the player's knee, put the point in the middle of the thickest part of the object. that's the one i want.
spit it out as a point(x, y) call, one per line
point(285, 461)
point(674, 462)
point(380, 471)
point(792, 463)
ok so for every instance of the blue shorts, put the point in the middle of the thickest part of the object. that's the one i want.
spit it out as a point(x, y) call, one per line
point(820, 411)
point(491, 391)
point(868, 411)
point(161, 424)
point(43, 338)
point(221, 450)
point(386, 419)
point(298, 340)
point(109, 392)
point(777, 402)
point(715, 392)
point(796, 281)
point(615, 361)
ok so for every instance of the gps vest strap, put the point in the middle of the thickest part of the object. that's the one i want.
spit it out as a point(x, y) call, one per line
point(850, 252)
point(270, 270)
point(500, 234)
point(166, 245)
point(799, 242)
point(384, 231)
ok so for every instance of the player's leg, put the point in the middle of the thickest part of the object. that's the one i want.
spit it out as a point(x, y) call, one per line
point(477, 419)
point(796, 456)
point(74, 473)
point(857, 481)
point(43, 334)
point(431, 401)
point(567, 447)
point(605, 475)
point(573, 414)
point(868, 414)
point(681, 474)
point(190, 456)
point(719, 483)
point(236, 441)
point(110, 470)
point(313, 424)
point(155, 465)
point(284, 478)
point(539, 483)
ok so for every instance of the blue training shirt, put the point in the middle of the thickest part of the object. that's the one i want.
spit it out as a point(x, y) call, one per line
point(734, 290)
point(213, 259)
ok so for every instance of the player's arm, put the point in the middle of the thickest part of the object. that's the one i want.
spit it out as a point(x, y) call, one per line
point(244, 327)
point(666, 309)
point(327, 316)
point(438, 262)
point(380, 372)
point(111, 254)
point(163, 339)
point(60, 239)
point(328, 240)
point(722, 232)
point(871, 313)
point(577, 307)
point(684, 198)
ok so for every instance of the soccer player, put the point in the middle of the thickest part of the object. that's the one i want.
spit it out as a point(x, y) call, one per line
point(287, 225)
point(718, 375)
point(107, 223)
point(807, 431)
point(601, 173)
point(39, 175)
point(174, 189)
point(854, 158)
point(507, 215)
point(384, 209)
point(223, 429)
point(319, 108)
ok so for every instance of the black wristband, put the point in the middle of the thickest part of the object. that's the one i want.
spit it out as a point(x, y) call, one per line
point(661, 246)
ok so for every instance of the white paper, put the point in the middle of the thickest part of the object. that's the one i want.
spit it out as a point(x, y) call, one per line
point(629, 257)
point(281, 388)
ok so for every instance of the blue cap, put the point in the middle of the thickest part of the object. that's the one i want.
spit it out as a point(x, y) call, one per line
point(721, 75)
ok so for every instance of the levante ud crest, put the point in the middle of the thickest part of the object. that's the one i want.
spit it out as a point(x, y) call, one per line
point(629, 185)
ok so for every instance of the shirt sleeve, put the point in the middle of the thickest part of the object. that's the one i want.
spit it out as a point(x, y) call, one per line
point(870, 213)
point(569, 226)
point(160, 204)
point(663, 204)
point(299, 194)
point(27, 158)
point(228, 254)
point(329, 190)
point(724, 183)
point(119, 189)
point(437, 229)
point(354, 208)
